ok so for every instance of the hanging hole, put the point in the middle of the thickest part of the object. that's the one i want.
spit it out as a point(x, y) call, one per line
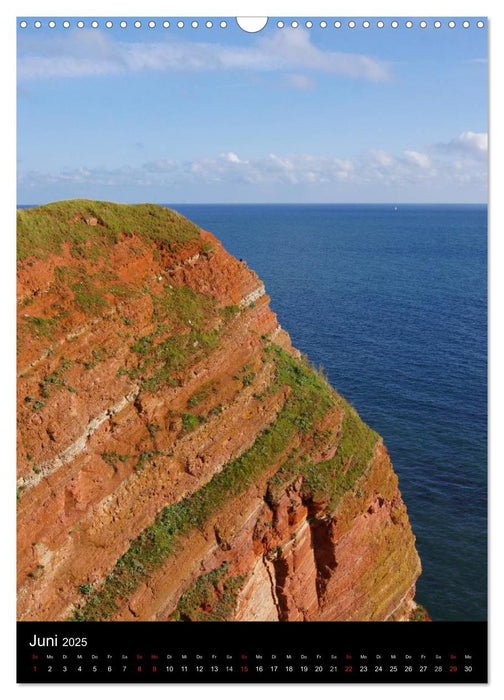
point(251, 24)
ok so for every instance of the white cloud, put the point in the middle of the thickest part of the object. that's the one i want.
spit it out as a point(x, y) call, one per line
point(295, 170)
point(79, 54)
point(379, 158)
point(421, 159)
point(231, 157)
point(468, 142)
point(293, 48)
point(375, 167)
point(91, 53)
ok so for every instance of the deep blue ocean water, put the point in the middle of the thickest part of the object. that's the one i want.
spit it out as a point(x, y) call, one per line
point(392, 303)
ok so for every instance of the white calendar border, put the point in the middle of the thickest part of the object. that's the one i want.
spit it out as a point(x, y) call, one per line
point(388, 8)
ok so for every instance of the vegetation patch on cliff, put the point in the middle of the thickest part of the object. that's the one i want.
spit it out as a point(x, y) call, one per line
point(162, 358)
point(188, 328)
point(212, 597)
point(327, 481)
point(419, 614)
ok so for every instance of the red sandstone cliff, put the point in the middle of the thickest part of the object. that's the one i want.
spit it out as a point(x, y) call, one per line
point(177, 458)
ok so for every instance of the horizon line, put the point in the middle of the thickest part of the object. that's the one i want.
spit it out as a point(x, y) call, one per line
point(239, 204)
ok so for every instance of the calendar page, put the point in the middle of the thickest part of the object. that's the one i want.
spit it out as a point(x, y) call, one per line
point(252, 349)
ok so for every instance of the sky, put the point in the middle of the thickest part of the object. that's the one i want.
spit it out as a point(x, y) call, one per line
point(181, 115)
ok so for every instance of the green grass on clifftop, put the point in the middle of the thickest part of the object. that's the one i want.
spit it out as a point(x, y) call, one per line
point(90, 227)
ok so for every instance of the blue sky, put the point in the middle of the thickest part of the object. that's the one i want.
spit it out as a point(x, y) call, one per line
point(219, 115)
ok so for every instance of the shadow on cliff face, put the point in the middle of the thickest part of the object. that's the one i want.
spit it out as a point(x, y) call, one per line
point(282, 576)
point(322, 541)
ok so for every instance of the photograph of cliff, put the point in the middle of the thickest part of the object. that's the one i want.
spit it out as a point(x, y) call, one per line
point(210, 381)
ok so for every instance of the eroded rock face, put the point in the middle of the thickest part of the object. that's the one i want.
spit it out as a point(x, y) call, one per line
point(178, 459)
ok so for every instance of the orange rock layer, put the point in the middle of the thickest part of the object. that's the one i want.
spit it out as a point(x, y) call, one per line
point(110, 434)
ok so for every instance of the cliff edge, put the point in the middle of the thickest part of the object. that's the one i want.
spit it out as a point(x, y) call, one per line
point(178, 459)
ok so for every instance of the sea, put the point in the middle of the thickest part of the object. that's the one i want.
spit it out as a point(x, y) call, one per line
point(392, 302)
